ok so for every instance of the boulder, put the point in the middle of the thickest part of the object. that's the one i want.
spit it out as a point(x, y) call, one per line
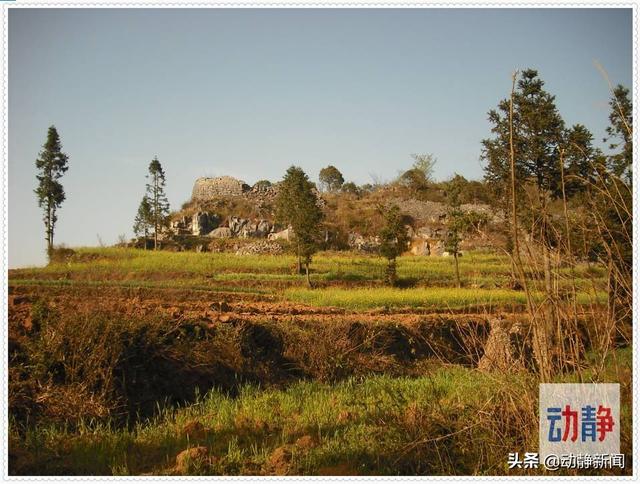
point(286, 234)
point(264, 228)
point(437, 249)
point(420, 247)
point(221, 233)
point(237, 224)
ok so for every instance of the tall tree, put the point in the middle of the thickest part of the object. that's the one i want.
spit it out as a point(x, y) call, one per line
point(393, 241)
point(52, 163)
point(620, 132)
point(536, 134)
point(616, 210)
point(157, 198)
point(297, 206)
point(331, 178)
point(143, 220)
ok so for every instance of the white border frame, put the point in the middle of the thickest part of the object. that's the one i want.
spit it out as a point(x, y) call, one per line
point(5, 5)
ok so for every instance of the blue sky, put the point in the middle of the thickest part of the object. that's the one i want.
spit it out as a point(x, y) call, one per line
point(248, 92)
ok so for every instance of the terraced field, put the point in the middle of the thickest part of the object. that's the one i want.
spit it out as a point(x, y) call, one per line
point(139, 362)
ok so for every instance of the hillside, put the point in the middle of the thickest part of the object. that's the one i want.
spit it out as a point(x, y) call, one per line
point(226, 208)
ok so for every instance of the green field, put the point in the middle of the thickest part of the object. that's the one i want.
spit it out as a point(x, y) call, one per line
point(343, 280)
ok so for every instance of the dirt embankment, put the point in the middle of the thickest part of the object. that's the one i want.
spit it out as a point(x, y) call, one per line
point(104, 352)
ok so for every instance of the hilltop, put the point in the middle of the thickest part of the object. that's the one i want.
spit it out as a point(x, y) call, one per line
point(225, 212)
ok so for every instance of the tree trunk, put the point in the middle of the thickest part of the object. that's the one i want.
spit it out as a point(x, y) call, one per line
point(49, 229)
point(156, 210)
point(391, 275)
point(306, 266)
point(455, 258)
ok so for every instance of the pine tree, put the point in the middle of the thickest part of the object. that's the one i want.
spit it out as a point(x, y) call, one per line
point(157, 198)
point(52, 163)
point(616, 213)
point(620, 131)
point(580, 159)
point(297, 207)
point(143, 220)
point(538, 140)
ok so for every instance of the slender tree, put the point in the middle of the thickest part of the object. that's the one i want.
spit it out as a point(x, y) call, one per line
point(157, 198)
point(456, 223)
point(393, 241)
point(52, 163)
point(144, 220)
point(297, 207)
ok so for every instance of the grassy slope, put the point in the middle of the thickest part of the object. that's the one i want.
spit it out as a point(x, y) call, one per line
point(452, 421)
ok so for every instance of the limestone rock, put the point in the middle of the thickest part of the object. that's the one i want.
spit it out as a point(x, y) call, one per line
point(420, 247)
point(437, 249)
point(203, 222)
point(262, 247)
point(221, 233)
point(237, 224)
point(364, 244)
point(286, 234)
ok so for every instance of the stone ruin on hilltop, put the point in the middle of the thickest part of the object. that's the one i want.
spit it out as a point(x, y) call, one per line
point(222, 186)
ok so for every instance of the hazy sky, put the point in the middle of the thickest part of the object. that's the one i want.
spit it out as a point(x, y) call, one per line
point(247, 93)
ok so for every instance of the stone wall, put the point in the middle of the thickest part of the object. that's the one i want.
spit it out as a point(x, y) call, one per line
point(221, 186)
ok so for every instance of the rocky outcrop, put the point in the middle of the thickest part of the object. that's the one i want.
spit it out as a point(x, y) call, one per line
point(218, 187)
point(236, 224)
point(203, 222)
point(256, 229)
point(362, 243)
point(430, 214)
point(437, 248)
point(420, 247)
